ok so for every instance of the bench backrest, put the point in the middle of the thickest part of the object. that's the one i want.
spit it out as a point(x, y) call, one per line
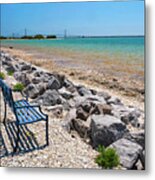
point(7, 94)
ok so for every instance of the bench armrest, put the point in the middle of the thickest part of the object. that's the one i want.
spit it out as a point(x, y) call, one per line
point(23, 95)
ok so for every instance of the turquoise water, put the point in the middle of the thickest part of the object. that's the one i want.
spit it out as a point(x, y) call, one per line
point(129, 45)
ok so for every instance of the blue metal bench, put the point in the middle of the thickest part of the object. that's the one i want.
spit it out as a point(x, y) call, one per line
point(24, 112)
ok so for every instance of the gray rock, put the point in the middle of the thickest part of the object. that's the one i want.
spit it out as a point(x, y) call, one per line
point(57, 110)
point(36, 80)
point(105, 95)
point(22, 77)
point(69, 86)
point(83, 91)
point(38, 73)
point(87, 106)
point(49, 98)
point(82, 127)
point(128, 151)
point(33, 91)
point(53, 83)
point(81, 114)
point(114, 100)
point(24, 66)
point(67, 122)
point(127, 114)
point(138, 137)
point(65, 93)
point(60, 78)
point(101, 109)
point(106, 129)
point(10, 67)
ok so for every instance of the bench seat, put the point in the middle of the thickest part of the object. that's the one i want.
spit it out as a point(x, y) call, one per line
point(27, 113)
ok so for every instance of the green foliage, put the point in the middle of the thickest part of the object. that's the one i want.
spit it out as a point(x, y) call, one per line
point(27, 37)
point(10, 73)
point(2, 37)
point(107, 157)
point(51, 37)
point(39, 36)
point(2, 75)
point(18, 87)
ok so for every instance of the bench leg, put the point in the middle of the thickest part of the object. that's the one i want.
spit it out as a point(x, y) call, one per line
point(5, 112)
point(47, 140)
point(17, 140)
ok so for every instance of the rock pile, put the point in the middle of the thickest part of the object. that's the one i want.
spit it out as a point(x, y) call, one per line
point(97, 117)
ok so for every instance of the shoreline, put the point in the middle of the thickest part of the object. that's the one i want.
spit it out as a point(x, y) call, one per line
point(131, 93)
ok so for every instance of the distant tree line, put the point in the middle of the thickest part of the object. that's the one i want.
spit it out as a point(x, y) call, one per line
point(37, 36)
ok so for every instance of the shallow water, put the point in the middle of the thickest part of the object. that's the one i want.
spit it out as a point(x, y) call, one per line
point(124, 52)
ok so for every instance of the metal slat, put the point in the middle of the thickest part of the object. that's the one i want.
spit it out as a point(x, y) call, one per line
point(27, 114)
point(33, 110)
point(38, 113)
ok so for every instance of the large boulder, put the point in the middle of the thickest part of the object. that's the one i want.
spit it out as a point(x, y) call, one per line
point(105, 95)
point(129, 115)
point(105, 129)
point(60, 78)
point(128, 151)
point(65, 93)
point(10, 67)
point(24, 66)
point(99, 108)
point(49, 98)
point(22, 77)
point(69, 86)
point(138, 137)
point(83, 91)
point(82, 127)
point(114, 100)
point(53, 83)
point(33, 91)
point(81, 114)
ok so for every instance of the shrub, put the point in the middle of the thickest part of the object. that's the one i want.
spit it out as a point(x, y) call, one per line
point(39, 36)
point(10, 73)
point(51, 36)
point(27, 37)
point(2, 37)
point(107, 157)
point(18, 87)
point(2, 75)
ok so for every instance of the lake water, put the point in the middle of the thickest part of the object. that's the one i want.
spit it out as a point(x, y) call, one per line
point(123, 50)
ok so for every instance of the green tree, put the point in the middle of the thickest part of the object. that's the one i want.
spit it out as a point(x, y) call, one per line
point(38, 36)
point(51, 37)
point(27, 37)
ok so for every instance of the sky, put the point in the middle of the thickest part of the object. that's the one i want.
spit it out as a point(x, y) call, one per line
point(78, 18)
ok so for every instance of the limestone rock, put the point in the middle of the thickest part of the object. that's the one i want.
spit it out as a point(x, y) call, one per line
point(128, 151)
point(106, 129)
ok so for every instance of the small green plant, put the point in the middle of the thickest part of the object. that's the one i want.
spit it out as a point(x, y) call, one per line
point(2, 75)
point(10, 73)
point(107, 157)
point(18, 87)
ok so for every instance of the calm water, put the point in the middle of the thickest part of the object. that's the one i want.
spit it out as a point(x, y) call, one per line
point(119, 49)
